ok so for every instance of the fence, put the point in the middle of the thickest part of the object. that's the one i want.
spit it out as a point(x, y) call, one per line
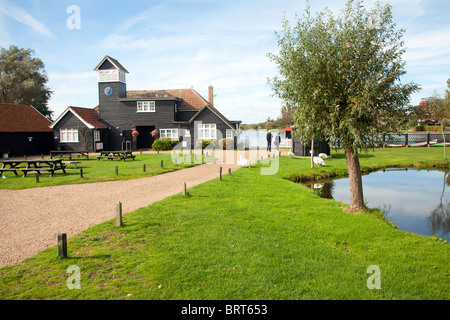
point(414, 138)
point(404, 139)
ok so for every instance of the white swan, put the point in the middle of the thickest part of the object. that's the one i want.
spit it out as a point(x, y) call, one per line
point(319, 161)
point(291, 154)
point(243, 162)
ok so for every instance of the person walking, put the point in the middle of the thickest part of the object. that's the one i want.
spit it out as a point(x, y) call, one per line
point(277, 141)
point(269, 141)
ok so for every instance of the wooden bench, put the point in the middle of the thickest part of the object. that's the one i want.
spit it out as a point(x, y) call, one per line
point(68, 153)
point(111, 155)
point(32, 166)
point(75, 163)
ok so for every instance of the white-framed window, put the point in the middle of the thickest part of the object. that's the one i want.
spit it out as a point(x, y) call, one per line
point(96, 135)
point(187, 133)
point(68, 135)
point(207, 131)
point(169, 133)
point(229, 134)
point(146, 106)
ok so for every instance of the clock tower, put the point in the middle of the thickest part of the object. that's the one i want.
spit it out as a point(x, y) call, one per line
point(111, 81)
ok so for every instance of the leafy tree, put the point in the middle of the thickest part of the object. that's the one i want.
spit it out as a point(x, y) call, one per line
point(341, 75)
point(438, 109)
point(23, 79)
point(286, 115)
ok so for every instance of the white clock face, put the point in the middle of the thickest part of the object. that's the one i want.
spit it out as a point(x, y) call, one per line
point(109, 91)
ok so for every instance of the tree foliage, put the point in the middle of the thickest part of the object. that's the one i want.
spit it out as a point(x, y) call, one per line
point(23, 79)
point(341, 75)
point(438, 109)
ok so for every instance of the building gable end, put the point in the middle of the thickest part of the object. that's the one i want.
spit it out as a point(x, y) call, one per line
point(76, 115)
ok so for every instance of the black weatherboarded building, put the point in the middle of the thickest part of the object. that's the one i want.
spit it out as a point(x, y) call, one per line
point(180, 114)
point(23, 131)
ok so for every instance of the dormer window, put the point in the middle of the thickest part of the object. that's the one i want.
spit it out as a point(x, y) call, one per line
point(146, 106)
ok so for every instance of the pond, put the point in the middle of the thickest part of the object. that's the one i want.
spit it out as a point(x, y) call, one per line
point(416, 201)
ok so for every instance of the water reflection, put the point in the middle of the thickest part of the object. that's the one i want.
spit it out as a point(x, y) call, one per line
point(416, 201)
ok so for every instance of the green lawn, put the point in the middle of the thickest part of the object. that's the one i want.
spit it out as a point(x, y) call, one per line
point(102, 170)
point(249, 236)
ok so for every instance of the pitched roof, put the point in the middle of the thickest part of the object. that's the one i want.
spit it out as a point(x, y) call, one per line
point(216, 112)
point(88, 116)
point(22, 118)
point(190, 99)
point(113, 61)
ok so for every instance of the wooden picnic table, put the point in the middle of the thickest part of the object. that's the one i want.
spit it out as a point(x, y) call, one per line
point(69, 153)
point(44, 165)
point(111, 155)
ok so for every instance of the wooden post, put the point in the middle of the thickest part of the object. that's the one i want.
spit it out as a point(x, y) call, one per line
point(119, 215)
point(184, 188)
point(62, 245)
point(37, 177)
point(162, 164)
point(117, 170)
point(229, 170)
point(143, 167)
point(220, 173)
point(81, 172)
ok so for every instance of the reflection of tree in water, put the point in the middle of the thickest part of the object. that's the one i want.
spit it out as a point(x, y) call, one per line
point(440, 216)
point(323, 190)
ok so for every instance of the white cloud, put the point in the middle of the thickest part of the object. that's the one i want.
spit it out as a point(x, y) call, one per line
point(17, 13)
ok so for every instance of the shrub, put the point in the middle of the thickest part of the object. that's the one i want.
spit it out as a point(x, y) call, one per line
point(162, 144)
point(225, 144)
point(173, 143)
point(204, 143)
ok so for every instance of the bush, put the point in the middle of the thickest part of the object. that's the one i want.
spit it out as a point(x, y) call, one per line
point(204, 143)
point(226, 144)
point(173, 143)
point(163, 144)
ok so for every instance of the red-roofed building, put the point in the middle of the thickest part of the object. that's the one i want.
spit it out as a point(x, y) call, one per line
point(181, 114)
point(24, 131)
point(79, 129)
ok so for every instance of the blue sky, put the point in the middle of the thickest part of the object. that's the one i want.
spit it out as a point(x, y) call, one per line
point(169, 44)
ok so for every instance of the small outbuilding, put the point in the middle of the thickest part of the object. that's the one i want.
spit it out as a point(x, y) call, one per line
point(299, 148)
point(79, 129)
point(24, 131)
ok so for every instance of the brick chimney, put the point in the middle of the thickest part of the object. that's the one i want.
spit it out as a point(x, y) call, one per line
point(211, 95)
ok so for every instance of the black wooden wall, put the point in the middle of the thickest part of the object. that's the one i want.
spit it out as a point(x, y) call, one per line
point(19, 144)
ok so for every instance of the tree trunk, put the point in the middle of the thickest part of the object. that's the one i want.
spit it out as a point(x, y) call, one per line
point(312, 153)
point(354, 172)
point(443, 137)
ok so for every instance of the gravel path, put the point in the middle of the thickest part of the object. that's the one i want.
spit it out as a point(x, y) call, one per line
point(31, 219)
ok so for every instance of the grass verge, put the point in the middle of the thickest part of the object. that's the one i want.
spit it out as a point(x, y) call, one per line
point(248, 236)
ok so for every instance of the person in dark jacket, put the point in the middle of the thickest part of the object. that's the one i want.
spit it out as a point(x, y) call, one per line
point(269, 141)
